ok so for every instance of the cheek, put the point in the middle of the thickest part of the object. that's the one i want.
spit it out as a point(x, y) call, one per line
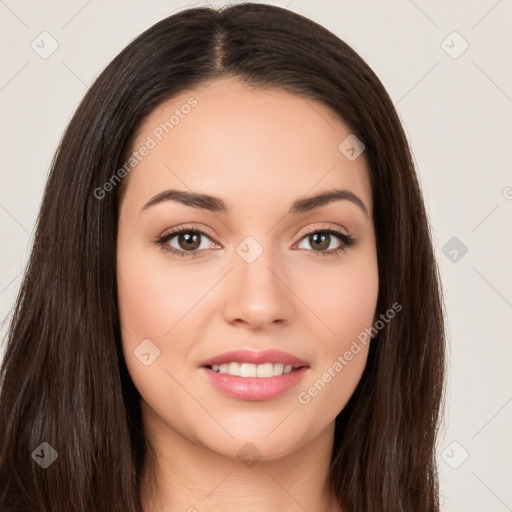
point(356, 311)
point(347, 308)
point(347, 303)
point(152, 300)
point(152, 296)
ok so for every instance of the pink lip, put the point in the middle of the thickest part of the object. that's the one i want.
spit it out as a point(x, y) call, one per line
point(249, 356)
point(254, 388)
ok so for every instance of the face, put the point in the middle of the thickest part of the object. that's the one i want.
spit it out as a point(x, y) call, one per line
point(289, 284)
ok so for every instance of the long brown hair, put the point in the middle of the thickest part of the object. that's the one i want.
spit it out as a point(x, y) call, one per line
point(63, 378)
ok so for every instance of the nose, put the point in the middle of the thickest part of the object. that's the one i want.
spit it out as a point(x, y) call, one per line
point(257, 294)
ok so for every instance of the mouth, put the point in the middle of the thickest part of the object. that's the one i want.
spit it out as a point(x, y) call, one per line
point(249, 375)
point(261, 371)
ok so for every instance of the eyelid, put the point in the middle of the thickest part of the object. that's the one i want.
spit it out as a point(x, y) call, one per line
point(190, 227)
point(321, 227)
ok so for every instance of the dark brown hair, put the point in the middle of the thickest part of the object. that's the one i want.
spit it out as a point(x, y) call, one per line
point(63, 377)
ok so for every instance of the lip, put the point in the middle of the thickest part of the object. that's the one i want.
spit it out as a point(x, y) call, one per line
point(250, 356)
point(255, 388)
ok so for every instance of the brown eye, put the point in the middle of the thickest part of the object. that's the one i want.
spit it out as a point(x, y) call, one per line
point(320, 240)
point(189, 240)
point(186, 242)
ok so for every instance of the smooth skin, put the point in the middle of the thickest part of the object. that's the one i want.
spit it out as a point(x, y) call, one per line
point(259, 150)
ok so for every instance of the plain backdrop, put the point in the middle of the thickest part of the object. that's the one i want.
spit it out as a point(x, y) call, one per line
point(447, 68)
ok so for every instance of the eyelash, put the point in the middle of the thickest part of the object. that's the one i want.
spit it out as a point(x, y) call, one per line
point(346, 240)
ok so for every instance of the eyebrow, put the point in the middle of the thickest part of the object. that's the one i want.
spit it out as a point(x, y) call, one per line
point(216, 204)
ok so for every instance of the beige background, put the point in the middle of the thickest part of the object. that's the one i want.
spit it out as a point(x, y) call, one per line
point(457, 111)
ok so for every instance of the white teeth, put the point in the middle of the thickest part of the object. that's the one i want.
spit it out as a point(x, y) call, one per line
point(265, 370)
point(253, 370)
point(278, 368)
point(233, 369)
point(247, 370)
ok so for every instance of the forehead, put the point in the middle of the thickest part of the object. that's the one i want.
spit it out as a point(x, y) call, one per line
point(252, 146)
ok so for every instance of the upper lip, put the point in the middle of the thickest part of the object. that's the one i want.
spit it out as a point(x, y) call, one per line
point(250, 356)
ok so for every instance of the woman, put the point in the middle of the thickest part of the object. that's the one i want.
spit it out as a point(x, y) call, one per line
point(232, 301)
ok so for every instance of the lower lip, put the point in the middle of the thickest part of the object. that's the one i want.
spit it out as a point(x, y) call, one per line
point(255, 388)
